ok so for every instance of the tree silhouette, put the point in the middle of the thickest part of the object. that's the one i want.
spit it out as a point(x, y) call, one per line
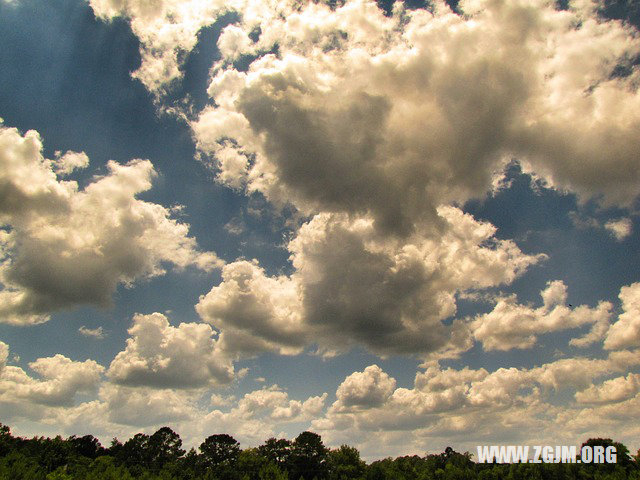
point(276, 450)
point(164, 447)
point(308, 457)
point(87, 446)
point(220, 450)
point(345, 463)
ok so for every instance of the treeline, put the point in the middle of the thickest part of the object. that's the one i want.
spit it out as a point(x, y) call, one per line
point(160, 456)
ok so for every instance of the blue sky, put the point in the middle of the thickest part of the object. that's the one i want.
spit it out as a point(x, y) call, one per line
point(257, 218)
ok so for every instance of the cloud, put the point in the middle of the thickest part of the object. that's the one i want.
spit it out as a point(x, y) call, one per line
point(63, 246)
point(391, 117)
point(60, 380)
point(165, 28)
point(146, 406)
point(252, 418)
point(159, 355)
point(276, 404)
point(4, 355)
point(511, 325)
point(254, 312)
point(507, 405)
point(626, 331)
point(353, 286)
point(70, 161)
point(620, 228)
point(578, 372)
point(372, 126)
point(369, 388)
point(611, 391)
point(97, 333)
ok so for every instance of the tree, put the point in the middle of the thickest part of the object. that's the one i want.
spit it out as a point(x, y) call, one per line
point(87, 446)
point(220, 449)
point(133, 453)
point(105, 468)
point(623, 458)
point(344, 463)
point(308, 457)
point(251, 462)
point(276, 450)
point(163, 447)
point(270, 471)
point(51, 452)
point(6, 440)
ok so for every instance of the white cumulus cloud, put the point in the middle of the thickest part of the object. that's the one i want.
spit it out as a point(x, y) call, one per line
point(626, 331)
point(353, 286)
point(162, 356)
point(512, 325)
point(62, 246)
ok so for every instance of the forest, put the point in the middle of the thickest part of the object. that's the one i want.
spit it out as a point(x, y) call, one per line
point(160, 456)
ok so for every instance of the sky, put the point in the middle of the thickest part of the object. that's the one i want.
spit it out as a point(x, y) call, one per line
point(400, 225)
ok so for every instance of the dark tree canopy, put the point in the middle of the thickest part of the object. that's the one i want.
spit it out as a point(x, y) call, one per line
point(308, 457)
point(276, 450)
point(220, 449)
point(345, 463)
point(160, 456)
point(164, 447)
point(87, 446)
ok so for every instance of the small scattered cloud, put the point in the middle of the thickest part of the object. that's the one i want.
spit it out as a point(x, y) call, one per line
point(98, 333)
point(70, 161)
point(620, 228)
point(235, 226)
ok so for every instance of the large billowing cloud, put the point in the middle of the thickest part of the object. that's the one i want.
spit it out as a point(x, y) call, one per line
point(376, 129)
point(254, 312)
point(352, 285)
point(373, 126)
point(395, 115)
point(61, 246)
point(391, 117)
point(161, 356)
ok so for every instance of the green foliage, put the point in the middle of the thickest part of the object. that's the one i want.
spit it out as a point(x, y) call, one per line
point(17, 466)
point(345, 464)
point(59, 473)
point(308, 457)
point(106, 468)
point(270, 471)
point(87, 446)
point(163, 447)
point(160, 457)
point(277, 450)
point(220, 450)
